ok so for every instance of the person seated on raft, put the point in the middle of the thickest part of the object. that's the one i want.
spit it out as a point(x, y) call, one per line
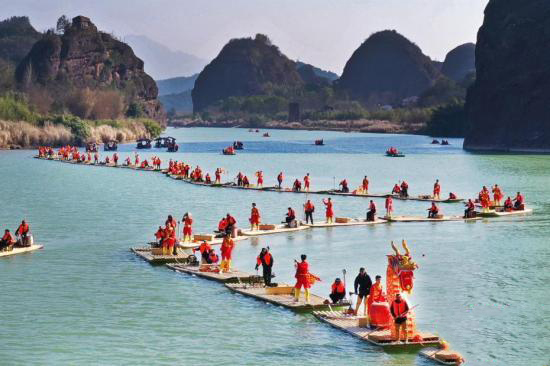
point(231, 224)
point(396, 189)
point(345, 188)
point(290, 218)
point(204, 249)
point(245, 182)
point(433, 211)
point(452, 196)
point(207, 179)
point(371, 213)
point(159, 236)
point(240, 179)
point(297, 186)
point(404, 189)
point(7, 241)
point(23, 231)
point(212, 257)
point(470, 209)
point(508, 205)
point(222, 225)
point(338, 291)
point(519, 202)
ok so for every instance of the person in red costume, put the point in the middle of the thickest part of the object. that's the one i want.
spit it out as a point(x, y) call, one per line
point(520, 201)
point(338, 291)
point(280, 178)
point(226, 250)
point(399, 309)
point(307, 181)
point(365, 185)
point(437, 190)
point(187, 227)
point(260, 175)
point(376, 293)
point(254, 218)
point(329, 213)
point(218, 175)
point(302, 278)
point(7, 240)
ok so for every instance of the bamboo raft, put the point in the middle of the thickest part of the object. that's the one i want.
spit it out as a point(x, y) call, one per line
point(427, 198)
point(159, 259)
point(425, 219)
point(209, 238)
point(444, 357)
point(350, 222)
point(282, 295)
point(502, 213)
point(20, 250)
point(277, 230)
point(223, 277)
point(382, 338)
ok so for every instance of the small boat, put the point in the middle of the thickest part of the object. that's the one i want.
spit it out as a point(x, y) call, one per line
point(110, 146)
point(319, 142)
point(445, 142)
point(442, 356)
point(499, 212)
point(238, 145)
point(266, 134)
point(171, 144)
point(435, 142)
point(91, 147)
point(143, 143)
point(211, 272)
point(395, 155)
point(282, 295)
point(229, 151)
point(20, 250)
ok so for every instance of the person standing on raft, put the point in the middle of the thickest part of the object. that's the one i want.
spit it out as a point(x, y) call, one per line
point(23, 232)
point(376, 293)
point(218, 175)
point(371, 213)
point(365, 185)
point(307, 181)
point(338, 291)
point(405, 189)
point(187, 229)
point(254, 218)
point(302, 278)
point(280, 179)
point(497, 195)
point(329, 213)
point(437, 190)
point(226, 250)
point(361, 288)
point(389, 206)
point(260, 181)
point(309, 208)
point(399, 309)
point(266, 260)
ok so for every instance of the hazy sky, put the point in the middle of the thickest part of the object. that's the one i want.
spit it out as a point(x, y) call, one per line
point(322, 32)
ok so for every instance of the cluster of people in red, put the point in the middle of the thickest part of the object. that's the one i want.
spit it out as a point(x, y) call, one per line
point(22, 235)
point(167, 236)
point(392, 151)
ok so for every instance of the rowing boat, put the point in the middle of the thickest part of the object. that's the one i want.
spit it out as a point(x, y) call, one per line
point(501, 213)
point(351, 222)
point(20, 250)
point(278, 229)
point(425, 219)
point(444, 357)
point(232, 276)
point(282, 295)
point(350, 324)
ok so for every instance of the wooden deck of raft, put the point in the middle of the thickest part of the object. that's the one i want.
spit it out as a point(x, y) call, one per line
point(20, 250)
point(223, 277)
point(382, 338)
point(146, 254)
point(282, 295)
point(277, 230)
point(426, 219)
point(351, 222)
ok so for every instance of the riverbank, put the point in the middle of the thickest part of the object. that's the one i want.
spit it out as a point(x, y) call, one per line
point(25, 135)
point(361, 125)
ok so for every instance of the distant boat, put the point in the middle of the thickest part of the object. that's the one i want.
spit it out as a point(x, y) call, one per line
point(435, 142)
point(266, 134)
point(238, 145)
point(110, 146)
point(319, 142)
point(143, 144)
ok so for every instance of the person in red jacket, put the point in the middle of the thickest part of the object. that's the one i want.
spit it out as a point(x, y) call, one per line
point(329, 213)
point(222, 225)
point(7, 240)
point(338, 291)
point(520, 201)
point(280, 178)
point(309, 208)
point(307, 181)
point(170, 243)
point(254, 218)
point(23, 230)
point(433, 211)
point(389, 206)
point(365, 185)
point(187, 227)
point(260, 181)
point(399, 309)
point(159, 235)
point(265, 259)
point(470, 209)
point(437, 190)
point(405, 189)
point(344, 185)
point(302, 278)
point(231, 224)
point(371, 213)
point(204, 249)
point(212, 257)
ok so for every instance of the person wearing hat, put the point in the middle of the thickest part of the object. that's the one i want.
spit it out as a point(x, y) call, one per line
point(362, 287)
point(338, 291)
point(266, 260)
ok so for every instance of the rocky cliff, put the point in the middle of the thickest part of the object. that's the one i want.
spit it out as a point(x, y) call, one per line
point(245, 67)
point(460, 62)
point(387, 68)
point(85, 58)
point(508, 106)
point(17, 37)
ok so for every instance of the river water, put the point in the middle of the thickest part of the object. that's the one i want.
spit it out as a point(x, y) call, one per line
point(85, 299)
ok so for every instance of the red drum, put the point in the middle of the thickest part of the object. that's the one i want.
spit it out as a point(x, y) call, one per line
point(380, 315)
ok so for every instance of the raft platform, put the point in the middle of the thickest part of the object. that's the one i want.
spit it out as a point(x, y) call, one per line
point(502, 213)
point(209, 238)
point(351, 222)
point(381, 338)
point(20, 250)
point(277, 230)
point(425, 219)
point(233, 276)
point(442, 356)
point(428, 198)
point(282, 295)
point(154, 259)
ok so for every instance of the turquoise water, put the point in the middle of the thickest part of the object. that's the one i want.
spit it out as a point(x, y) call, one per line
point(85, 299)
